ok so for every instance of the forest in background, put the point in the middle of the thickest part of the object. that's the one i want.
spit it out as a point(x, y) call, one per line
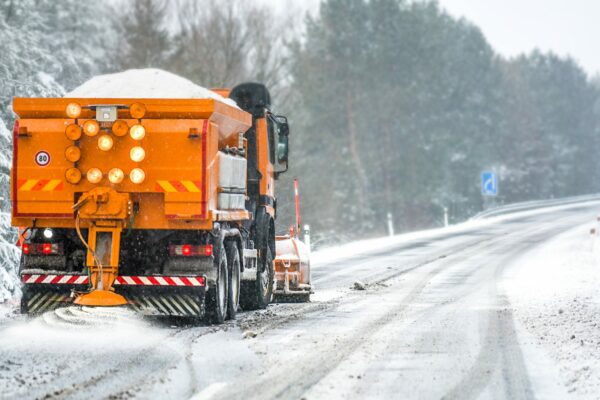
point(395, 106)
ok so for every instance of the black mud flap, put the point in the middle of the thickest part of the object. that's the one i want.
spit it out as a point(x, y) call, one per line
point(37, 299)
point(166, 301)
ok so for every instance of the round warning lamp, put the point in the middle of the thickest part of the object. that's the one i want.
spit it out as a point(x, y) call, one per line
point(91, 128)
point(73, 132)
point(137, 175)
point(105, 143)
point(73, 176)
point(137, 110)
point(137, 154)
point(73, 154)
point(137, 132)
point(115, 175)
point(94, 175)
point(120, 128)
point(73, 110)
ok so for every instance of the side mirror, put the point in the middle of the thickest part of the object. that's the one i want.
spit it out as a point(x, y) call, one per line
point(282, 149)
point(283, 132)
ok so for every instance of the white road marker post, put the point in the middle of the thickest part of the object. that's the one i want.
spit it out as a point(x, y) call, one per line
point(446, 217)
point(390, 222)
point(306, 234)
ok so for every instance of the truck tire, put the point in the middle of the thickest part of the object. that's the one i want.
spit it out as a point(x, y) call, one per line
point(216, 297)
point(257, 294)
point(233, 292)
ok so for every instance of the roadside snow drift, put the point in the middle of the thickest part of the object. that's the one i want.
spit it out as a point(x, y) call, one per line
point(554, 290)
point(9, 254)
point(147, 83)
point(5, 138)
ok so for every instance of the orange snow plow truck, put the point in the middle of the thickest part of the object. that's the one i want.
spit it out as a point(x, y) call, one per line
point(167, 205)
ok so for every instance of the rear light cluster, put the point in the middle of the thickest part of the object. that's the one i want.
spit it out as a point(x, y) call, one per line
point(107, 128)
point(46, 249)
point(190, 250)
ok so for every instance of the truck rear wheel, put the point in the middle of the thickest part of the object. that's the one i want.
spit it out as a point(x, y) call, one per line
point(233, 292)
point(216, 298)
point(257, 294)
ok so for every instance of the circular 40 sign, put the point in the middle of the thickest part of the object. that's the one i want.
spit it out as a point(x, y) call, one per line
point(42, 158)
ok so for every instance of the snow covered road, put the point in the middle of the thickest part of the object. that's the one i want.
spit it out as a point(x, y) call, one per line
point(482, 310)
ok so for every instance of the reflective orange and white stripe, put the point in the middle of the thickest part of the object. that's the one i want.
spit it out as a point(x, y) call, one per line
point(40, 185)
point(55, 279)
point(160, 280)
point(121, 280)
point(179, 186)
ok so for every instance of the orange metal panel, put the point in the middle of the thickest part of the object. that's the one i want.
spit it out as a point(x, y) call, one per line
point(267, 183)
point(222, 92)
point(182, 141)
point(169, 153)
point(212, 170)
point(151, 216)
point(233, 119)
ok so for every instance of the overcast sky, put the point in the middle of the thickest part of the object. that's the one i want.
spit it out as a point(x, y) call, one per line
point(515, 26)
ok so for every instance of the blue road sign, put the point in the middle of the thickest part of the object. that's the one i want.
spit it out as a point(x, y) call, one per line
point(489, 183)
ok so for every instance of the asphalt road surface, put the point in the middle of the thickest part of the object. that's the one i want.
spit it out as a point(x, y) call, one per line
point(432, 322)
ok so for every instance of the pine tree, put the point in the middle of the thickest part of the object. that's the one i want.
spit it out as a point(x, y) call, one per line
point(143, 38)
point(399, 101)
point(226, 42)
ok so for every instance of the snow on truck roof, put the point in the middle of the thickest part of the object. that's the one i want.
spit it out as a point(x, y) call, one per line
point(147, 83)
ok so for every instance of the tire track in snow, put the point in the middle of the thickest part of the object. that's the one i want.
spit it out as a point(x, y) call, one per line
point(501, 352)
point(313, 369)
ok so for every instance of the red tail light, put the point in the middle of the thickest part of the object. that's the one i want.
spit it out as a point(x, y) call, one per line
point(46, 249)
point(190, 250)
point(16, 129)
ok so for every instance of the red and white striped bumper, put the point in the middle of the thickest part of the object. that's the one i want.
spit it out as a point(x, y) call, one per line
point(122, 280)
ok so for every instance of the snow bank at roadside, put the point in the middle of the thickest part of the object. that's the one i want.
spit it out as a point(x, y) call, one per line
point(5, 161)
point(9, 260)
point(368, 246)
point(9, 254)
point(147, 83)
point(555, 292)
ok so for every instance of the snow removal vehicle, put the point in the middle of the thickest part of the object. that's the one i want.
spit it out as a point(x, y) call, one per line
point(166, 205)
point(292, 263)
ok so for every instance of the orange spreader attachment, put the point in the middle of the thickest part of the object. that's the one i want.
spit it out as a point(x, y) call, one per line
point(105, 211)
point(100, 298)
